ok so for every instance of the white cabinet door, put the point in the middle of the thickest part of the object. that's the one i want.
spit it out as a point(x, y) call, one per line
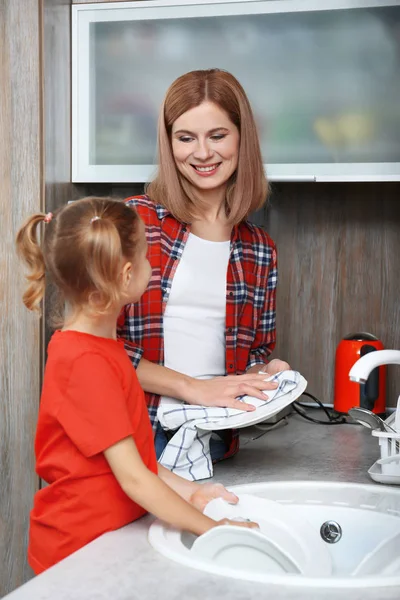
point(323, 79)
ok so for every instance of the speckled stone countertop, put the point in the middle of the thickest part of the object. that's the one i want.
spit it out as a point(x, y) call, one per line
point(122, 565)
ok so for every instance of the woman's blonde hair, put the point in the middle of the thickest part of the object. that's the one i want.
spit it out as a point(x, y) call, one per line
point(81, 251)
point(248, 188)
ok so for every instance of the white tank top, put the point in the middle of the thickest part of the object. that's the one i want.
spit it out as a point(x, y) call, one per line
point(194, 318)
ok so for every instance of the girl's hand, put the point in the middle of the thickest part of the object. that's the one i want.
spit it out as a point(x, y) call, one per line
point(209, 491)
point(225, 391)
point(248, 524)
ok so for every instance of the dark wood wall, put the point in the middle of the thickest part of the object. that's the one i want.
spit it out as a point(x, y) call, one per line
point(57, 102)
point(57, 115)
point(339, 264)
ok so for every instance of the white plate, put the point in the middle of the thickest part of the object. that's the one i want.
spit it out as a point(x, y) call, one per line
point(282, 526)
point(262, 413)
point(375, 472)
point(240, 548)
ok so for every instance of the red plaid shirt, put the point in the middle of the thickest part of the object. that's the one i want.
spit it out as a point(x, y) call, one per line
point(250, 295)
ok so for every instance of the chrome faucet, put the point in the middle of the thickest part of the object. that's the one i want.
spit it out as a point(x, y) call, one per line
point(361, 369)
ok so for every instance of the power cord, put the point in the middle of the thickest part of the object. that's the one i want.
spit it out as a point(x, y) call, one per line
point(333, 417)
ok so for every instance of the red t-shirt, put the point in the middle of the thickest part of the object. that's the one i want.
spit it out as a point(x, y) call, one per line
point(91, 399)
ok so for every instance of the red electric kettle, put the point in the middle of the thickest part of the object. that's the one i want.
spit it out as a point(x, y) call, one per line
point(370, 395)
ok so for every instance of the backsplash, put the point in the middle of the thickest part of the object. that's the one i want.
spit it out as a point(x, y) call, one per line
point(338, 256)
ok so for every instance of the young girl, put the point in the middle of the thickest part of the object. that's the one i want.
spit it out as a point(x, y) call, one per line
point(94, 443)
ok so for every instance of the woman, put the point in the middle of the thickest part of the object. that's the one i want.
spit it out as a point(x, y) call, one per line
point(209, 310)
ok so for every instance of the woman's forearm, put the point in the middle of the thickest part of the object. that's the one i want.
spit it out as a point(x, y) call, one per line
point(156, 379)
point(218, 391)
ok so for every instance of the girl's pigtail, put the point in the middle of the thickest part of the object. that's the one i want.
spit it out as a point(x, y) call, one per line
point(29, 251)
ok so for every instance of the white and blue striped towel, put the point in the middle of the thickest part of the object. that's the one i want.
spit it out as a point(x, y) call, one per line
point(188, 452)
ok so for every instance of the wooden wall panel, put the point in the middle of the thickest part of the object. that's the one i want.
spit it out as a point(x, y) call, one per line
point(57, 114)
point(57, 102)
point(338, 254)
point(20, 331)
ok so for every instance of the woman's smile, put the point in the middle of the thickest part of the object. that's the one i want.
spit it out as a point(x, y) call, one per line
point(205, 145)
point(206, 170)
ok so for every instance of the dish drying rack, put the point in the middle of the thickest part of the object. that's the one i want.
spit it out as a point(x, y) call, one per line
point(387, 468)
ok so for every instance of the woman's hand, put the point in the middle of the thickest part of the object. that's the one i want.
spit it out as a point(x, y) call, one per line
point(225, 391)
point(275, 366)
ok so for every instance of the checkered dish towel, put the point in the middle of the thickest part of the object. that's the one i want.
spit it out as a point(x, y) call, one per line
point(188, 452)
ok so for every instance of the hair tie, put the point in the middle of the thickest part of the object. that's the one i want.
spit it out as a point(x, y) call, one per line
point(94, 219)
point(48, 217)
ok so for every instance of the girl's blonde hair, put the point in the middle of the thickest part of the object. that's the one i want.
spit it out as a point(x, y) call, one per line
point(248, 188)
point(81, 252)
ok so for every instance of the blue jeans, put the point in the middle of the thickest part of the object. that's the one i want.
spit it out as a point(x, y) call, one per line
point(218, 446)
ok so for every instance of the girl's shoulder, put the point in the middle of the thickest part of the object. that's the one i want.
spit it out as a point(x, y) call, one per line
point(70, 345)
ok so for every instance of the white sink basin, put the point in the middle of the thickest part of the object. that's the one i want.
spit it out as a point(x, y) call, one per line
point(366, 555)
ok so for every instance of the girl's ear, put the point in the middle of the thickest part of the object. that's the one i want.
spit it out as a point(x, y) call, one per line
point(126, 275)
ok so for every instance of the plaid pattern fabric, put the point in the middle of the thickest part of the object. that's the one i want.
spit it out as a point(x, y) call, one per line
point(250, 295)
point(188, 452)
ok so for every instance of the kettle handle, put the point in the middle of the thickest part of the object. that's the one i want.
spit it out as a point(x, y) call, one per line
point(363, 336)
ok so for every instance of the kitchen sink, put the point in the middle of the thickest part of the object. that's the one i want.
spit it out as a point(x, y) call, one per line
point(350, 531)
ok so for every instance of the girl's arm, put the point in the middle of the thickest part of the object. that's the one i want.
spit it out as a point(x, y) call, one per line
point(152, 493)
point(197, 494)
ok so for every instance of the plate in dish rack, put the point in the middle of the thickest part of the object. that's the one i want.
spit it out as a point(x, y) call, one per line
point(375, 472)
point(264, 410)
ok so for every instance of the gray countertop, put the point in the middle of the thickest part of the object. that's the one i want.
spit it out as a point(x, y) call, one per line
point(122, 565)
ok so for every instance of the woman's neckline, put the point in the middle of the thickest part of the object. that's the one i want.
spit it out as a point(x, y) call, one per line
point(209, 241)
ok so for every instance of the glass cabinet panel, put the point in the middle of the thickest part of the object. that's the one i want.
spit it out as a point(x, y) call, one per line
point(324, 84)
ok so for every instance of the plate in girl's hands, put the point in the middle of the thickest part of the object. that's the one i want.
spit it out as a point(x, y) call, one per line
point(239, 548)
point(264, 410)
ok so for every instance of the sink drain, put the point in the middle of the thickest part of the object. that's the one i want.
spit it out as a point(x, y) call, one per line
point(331, 532)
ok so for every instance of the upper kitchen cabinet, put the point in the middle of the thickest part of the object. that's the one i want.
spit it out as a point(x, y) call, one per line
point(323, 79)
